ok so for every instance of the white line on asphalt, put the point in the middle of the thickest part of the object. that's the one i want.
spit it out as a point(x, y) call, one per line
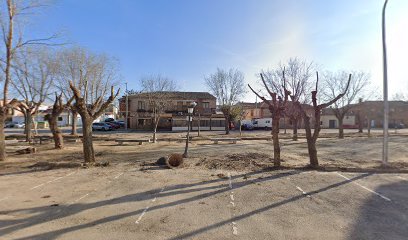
point(234, 225)
point(303, 192)
point(5, 198)
point(141, 215)
point(147, 208)
point(119, 175)
point(56, 179)
point(374, 192)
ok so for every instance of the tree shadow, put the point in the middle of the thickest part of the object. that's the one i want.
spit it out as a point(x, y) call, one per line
point(46, 214)
point(384, 220)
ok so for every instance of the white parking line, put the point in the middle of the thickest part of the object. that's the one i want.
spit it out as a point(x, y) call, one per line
point(303, 192)
point(374, 192)
point(119, 175)
point(5, 198)
point(234, 225)
point(56, 179)
point(406, 179)
point(147, 208)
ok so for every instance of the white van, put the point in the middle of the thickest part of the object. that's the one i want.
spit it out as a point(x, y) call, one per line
point(262, 123)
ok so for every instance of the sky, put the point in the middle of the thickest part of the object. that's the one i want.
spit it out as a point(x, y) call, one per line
point(187, 40)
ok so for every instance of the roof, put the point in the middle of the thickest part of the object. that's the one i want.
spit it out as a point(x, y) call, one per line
point(176, 95)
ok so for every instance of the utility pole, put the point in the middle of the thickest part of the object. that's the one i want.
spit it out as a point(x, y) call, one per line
point(385, 89)
point(127, 108)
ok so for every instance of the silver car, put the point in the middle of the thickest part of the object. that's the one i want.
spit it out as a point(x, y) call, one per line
point(101, 126)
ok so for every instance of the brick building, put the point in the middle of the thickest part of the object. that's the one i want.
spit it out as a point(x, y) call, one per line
point(140, 114)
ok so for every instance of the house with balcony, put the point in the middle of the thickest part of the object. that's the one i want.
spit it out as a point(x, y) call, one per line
point(173, 116)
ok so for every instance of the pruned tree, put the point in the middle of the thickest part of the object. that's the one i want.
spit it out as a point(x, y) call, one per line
point(89, 113)
point(158, 91)
point(335, 84)
point(228, 87)
point(277, 108)
point(92, 74)
point(52, 119)
point(12, 15)
point(34, 73)
point(295, 74)
point(317, 109)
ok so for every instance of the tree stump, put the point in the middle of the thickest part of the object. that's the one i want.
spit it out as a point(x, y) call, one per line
point(27, 150)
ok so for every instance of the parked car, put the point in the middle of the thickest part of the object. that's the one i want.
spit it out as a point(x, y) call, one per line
point(113, 125)
point(109, 120)
point(9, 124)
point(19, 125)
point(121, 123)
point(101, 126)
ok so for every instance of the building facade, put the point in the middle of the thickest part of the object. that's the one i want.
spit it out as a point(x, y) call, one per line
point(174, 111)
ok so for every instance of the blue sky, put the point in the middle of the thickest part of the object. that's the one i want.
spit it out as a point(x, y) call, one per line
point(188, 39)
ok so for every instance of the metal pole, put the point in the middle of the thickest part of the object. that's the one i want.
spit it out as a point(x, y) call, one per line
point(188, 136)
point(386, 104)
point(199, 123)
point(127, 108)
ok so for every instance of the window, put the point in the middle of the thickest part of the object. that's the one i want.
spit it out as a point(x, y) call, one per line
point(206, 105)
point(59, 119)
point(141, 105)
point(141, 122)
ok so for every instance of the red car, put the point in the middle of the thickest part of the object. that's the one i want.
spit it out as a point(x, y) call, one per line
point(113, 125)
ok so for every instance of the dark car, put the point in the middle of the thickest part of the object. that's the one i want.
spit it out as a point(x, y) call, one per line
point(113, 125)
point(120, 123)
point(109, 120)
point(101, 126)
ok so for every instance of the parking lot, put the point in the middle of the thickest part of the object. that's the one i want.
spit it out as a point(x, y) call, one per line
point(127, 201)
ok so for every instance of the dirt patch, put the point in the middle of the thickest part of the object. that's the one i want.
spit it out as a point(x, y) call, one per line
point(53, 165)
point(238, 161)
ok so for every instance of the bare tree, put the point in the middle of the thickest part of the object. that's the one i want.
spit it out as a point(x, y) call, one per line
point(228, 87)
point(13, 12)
point(295, 74)
point(90, 112)
point(91, 74)
point(34, 72)
point(52, 119)
point(158, 90)
point(277, 107)
point(312, 137)
point(335, 84)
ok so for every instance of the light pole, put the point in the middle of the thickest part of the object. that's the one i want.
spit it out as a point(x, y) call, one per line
point(190, 110)
point(386, 104)
point(127, 108)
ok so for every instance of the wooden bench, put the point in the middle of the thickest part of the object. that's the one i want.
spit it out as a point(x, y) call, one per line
point(140, 141)
point(41, 139)
point(233, 140)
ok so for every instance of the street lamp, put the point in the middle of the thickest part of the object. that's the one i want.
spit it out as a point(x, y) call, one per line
point(385, 84)
point(190, 111)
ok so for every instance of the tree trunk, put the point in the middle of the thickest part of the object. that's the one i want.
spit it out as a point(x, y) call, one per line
point(156, 123)
point(341, 128)
point(89, 153)
point(311, 143)
point(3, 113)
point(240, 127)
point(56, 132)
point(28, 125)
point(275, 139)
point(227, 125)
point(74, 123)
point(295, 129)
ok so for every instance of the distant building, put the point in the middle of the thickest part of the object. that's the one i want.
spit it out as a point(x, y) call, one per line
point(140, 115)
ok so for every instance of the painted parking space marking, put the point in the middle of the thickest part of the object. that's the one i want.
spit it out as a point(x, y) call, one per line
point(120, 174)
point(364, 187)
point(232, 202)
point(303, 192)
point(402, 178)
point(139, 219)
point(54, 180)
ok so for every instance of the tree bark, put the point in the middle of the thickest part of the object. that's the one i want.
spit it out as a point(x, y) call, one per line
point(341, 128)
point(295, 129)
point(89, 153)
point(56, 132)
point(28, 117)
point(156, 123)
point(227, 124)
point(275, 139)
point(311, 143)
point(74, 123)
